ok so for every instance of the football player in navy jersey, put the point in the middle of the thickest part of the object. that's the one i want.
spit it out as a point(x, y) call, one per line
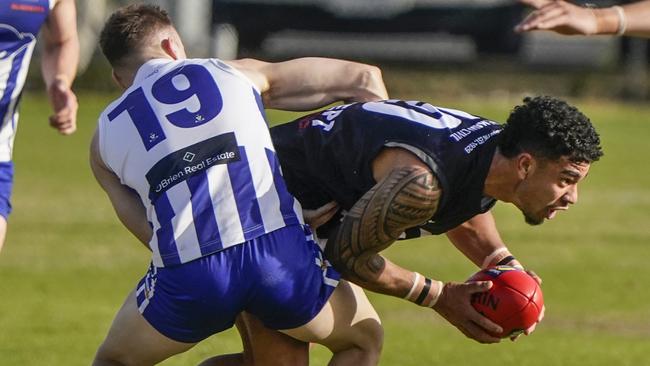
point(187, 161)
point(399, 168)
point(371, 173)
point(20, 23)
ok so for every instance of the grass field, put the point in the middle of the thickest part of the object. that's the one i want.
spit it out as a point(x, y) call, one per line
point(68, 263)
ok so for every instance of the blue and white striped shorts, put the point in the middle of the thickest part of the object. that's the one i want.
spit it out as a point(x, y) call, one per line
point(280, 277)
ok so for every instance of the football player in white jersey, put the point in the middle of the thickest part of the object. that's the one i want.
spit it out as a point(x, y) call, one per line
point(186, 159)
point(20, 23)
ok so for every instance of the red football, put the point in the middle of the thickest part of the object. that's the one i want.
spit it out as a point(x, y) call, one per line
point(514, 301)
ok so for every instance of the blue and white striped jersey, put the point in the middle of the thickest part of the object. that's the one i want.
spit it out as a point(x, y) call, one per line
point(20, 22)
point(190, 137)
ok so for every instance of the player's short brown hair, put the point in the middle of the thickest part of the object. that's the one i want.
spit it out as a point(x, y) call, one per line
point(128, 28)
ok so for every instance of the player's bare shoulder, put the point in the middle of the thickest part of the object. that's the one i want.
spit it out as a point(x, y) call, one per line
point(252, 69)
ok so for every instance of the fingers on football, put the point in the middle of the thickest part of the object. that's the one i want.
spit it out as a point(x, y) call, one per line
point(534, 276)
point(539, 319)
point(478, 286)
point(486, 324)
point(476, 317)
point(478, 333)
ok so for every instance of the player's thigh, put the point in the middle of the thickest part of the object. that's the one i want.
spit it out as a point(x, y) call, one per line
point(3, 231)
point(347, 320)
point(269, 347)
point(131, 340)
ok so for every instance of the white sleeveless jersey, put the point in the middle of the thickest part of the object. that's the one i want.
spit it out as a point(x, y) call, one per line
point(190, 137)
point(20, 22)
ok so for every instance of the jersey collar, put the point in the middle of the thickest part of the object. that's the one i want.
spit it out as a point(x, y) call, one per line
point(149, 68)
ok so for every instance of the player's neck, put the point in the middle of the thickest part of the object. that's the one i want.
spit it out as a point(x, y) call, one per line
point(501, 180)
point(125, 74)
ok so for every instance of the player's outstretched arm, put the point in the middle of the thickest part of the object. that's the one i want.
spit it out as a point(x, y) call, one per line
point(125, 201)
point(567, 18)
point(313, 82)
point(637, 15)
point(406, 197)
point(59, 64)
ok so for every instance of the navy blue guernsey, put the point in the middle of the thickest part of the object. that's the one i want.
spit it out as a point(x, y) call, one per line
point(328, 155)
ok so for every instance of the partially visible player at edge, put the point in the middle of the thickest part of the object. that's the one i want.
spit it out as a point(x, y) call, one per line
point(567, 18)
point(186, 159)
point(20, 23)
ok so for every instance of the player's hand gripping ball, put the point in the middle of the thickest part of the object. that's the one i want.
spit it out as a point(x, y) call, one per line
point(514, 301)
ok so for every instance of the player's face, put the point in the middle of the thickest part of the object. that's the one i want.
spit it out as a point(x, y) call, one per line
point(549, 187)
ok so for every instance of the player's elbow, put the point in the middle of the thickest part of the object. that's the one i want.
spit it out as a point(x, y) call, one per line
point(369, 83)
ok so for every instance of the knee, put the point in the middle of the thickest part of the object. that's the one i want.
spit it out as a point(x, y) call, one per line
point(106, 357)
point(104, 361)
point(370, 340)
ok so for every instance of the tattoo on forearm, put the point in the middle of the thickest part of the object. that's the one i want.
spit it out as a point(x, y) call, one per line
point(405, 198)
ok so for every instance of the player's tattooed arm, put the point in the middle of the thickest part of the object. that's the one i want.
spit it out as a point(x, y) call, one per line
point(406, 197)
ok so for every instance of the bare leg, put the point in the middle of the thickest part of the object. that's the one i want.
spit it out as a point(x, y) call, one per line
point(263, 346)
point(233, 359)
point(348, 325)
point(133, 341)
point(3, 231)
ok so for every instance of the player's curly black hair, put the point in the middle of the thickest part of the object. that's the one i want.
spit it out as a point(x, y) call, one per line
point(549, 128)
point(128, 27)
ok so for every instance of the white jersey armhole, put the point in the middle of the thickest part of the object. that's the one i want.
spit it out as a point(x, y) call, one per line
point(233, 71)
point(101, 144)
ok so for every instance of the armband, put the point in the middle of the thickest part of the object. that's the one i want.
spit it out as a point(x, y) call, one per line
point(416, 279)
point(425, 291)
point(435, 298)
point(506, 260)
point(495, 255)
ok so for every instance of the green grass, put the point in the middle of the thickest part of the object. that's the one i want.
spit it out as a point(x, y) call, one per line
point(68, 263)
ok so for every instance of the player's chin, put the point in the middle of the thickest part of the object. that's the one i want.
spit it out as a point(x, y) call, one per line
point(533, 219)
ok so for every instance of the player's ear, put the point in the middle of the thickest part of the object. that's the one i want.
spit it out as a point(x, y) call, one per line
point(167, 45)
point(173, 46)
point(118, 80)
point(525, 163)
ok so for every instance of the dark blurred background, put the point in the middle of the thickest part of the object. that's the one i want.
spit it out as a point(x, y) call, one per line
point(442, 47)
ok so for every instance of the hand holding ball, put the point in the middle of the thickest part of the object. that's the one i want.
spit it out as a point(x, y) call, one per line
point(514, 302)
